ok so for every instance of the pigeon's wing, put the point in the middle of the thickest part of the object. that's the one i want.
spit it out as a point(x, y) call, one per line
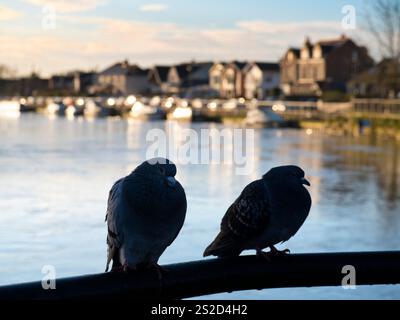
point(182, 214)
point(114, 237)
point(247, 217)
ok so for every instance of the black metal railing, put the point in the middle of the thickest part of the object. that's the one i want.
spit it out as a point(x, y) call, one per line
point(198, 278)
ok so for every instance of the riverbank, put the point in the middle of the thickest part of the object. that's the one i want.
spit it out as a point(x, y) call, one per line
point(357, 117)
point(356, 125)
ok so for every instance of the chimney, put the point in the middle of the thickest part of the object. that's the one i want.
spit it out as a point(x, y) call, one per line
point(125, 63)
point(307, 41)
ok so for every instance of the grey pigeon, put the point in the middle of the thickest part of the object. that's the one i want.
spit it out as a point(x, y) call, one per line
point(268, 211)
point(146, 210)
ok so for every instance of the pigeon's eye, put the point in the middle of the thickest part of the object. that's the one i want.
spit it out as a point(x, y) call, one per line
point(162, 170)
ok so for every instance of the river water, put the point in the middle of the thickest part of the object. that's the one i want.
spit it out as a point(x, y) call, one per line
point(56, 174)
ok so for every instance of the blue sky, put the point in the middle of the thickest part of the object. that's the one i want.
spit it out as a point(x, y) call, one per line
point(95, 33)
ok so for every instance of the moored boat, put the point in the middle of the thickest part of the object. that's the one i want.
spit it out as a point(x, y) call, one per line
point(146, 112)
point(265, 118)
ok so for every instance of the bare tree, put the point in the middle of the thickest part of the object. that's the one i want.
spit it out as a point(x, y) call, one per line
point(382, 20)
point(6, 72)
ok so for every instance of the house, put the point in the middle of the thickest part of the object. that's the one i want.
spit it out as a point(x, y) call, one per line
point(232, 80)
point(196, 83)
point(62, 84)
point(216, 73)
point(83, 81)
point(289, 70)
point(380, 81)
point(326, 65)
point(261, 79)
point(227, 79)
point(158, 78)
point(26, 86)
point(189, 79)
point(177, 74)
point(32, 85)
point(123, 78)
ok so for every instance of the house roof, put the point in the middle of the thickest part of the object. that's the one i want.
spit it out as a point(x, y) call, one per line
point(296, 51)
point(329, 45)
point(136, 70)
point(268, 66)
point(124, 68)
point(184, 70)
point(162, 72)
point(66, 77)
point(239, 64)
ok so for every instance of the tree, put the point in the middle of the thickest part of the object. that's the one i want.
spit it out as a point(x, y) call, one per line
point(382, 20)
point(6, 72)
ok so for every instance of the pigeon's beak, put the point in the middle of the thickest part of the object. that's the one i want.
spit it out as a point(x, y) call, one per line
point(305, 181)
point(171, 181)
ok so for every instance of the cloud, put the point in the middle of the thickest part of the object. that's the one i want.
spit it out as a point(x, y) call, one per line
point(69, 5)
point(153, 7)
point(84, 42)
point(7, 14)
point(260, 26)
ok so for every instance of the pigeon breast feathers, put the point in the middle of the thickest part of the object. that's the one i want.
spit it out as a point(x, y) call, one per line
point(113, 239)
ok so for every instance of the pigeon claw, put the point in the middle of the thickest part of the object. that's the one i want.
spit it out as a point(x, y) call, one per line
point(160, 270)
point(275, 252)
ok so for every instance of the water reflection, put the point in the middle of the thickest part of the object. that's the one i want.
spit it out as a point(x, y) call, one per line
point(56, 175)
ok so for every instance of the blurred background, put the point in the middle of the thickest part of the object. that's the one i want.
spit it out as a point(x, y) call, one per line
point(82, 83)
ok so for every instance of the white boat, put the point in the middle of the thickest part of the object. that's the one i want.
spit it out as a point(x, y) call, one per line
point(55, 108)
point(91, 109)
point(263, 118)
point(10, 109)
point(181, 113)
point(230, 105)
point(213, 105)
point(70, 111)
point(146, 112)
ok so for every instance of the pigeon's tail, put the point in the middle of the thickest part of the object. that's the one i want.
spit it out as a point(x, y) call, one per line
point(223, 246)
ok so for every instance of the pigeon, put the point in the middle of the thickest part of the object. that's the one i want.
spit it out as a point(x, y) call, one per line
point(145, 212)
point(268, 211)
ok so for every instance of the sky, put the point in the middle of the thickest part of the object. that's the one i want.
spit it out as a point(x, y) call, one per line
point(55, 36)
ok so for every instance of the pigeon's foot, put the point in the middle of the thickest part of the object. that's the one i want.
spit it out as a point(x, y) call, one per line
point(160, 270)
point(277, 253)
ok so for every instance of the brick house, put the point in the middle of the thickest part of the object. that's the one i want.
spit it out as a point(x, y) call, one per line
point(326, 65)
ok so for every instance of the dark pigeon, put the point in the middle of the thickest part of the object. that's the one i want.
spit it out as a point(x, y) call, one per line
point(268, 211)
point(146, 210)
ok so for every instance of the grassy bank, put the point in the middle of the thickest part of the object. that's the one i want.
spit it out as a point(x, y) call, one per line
point(357, 124)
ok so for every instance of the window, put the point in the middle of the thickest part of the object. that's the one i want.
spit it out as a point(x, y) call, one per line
point(354, 56)
point(216, 79)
